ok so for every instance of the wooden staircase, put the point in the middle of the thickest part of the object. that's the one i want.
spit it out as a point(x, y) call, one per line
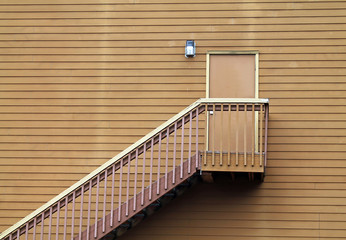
point(137, 206)
point(128, 187)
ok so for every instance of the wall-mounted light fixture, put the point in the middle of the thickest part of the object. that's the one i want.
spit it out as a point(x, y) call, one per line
point(190, 49)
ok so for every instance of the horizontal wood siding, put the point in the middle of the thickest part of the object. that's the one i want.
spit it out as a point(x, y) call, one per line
point(83, 79)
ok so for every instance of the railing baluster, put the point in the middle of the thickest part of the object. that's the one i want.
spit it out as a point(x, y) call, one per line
point(89, 209)
point(182, 147)
point(229, 141)
point(128, 184)
point(190, 144)
point(34, 230)
point(151, 169)
point(81, 213)
point(213, 137)
point(167, 152)
point(174, 151)
point(253, 136)
point(245, 127)
point(26, 231)
point(237, 137)
point(143, 172)
point(65, 217)
point(261, 133)
point(112, 197)
point(50, 223)
point(57, 221)
point(73, 212)
point(104, 202)
point(97, 203)
point(197, 155)
point(135, 185)
point(266, 133)
point(206, 135)
point(159, 165)
point(18, 233)
point(120, 185)
point(221, 137)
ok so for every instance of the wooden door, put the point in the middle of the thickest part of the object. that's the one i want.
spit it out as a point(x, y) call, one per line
point(232, 76)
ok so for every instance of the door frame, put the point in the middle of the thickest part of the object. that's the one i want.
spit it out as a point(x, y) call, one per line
point(228, 52)
point(233, 52)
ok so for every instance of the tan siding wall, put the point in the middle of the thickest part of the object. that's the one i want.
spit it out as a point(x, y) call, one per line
point(83, 79)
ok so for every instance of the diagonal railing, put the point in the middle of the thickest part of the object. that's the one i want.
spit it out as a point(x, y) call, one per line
point(140, 174)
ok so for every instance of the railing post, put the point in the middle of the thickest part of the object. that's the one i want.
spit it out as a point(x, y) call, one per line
point(266, 133)
point(261, 134)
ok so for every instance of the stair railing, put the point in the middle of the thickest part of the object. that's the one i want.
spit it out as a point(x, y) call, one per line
point(128, 182)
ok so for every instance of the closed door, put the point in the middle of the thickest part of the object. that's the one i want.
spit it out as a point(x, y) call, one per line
point(232, 76)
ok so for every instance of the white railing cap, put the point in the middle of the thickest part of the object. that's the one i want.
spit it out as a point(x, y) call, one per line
point(234, 100)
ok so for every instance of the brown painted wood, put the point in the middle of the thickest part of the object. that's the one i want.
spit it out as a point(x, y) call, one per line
point(302, 54)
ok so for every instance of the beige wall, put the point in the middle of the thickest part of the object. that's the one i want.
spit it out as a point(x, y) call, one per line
point(82, 80)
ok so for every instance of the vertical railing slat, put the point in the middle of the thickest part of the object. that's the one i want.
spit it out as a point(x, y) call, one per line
point(97, 203)
point(57, 222)
point(245, 128)
point(167, 153)
point(104, 202)
point(112, 197)
point(237, 137)
point(34, 230)
point(89, 209)
point(81, 213)
point(221, 137)
point(253, 135)
point(197, 154)
point(205, 135)
point(261, 135)
point(73, 212)
point(190, 143)
point(266, 134)
point(50, 222)
point(213, 137)
point(159, 165)
point(65, 218)
point(182, 147)
point(229, 143)
point(120, 188)
point(174, 151)
point(135, 184)
point(26, 231)
point(128, 184)
point(151, 169)
point(143, 172)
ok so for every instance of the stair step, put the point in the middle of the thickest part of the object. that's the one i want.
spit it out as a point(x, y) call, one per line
point(140, 215)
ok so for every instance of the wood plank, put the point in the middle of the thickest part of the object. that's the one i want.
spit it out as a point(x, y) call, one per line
point(169, 28)
point(169, 22)
point(177, 14)
point(170, 7)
